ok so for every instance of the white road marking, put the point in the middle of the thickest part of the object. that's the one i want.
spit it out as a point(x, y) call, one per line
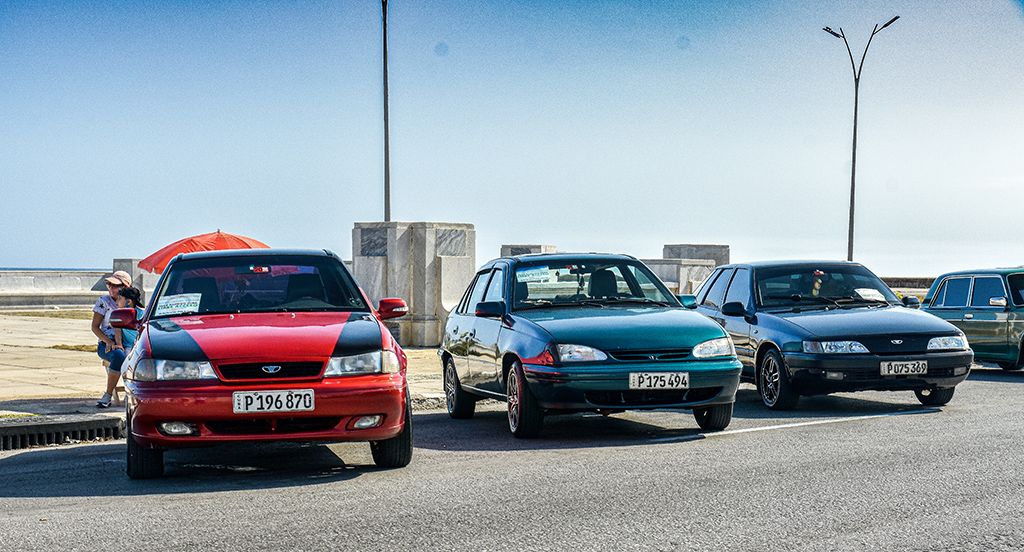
point(787, 426)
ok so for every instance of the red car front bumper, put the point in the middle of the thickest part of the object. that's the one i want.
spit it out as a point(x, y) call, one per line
point(338, 404)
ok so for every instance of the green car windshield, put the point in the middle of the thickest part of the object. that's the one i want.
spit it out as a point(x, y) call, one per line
point(587, 282)
point(827, 284)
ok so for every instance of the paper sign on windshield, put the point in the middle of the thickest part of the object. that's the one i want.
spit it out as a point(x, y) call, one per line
point(870, 294)
point(185, 303)
point(537, 274)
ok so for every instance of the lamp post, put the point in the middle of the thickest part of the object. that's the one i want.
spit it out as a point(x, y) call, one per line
point(856, 89)
point(387, 147)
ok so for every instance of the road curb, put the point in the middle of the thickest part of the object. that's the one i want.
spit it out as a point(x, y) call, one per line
point(57, 429)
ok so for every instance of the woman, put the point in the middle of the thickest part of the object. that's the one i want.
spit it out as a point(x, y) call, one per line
point(108, 349)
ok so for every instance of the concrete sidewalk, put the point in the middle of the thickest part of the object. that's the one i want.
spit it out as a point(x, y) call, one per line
point(38, 379)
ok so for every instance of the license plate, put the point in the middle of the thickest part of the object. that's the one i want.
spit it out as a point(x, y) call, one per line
point(908, 368)
point(659, 380)
point(292, 400)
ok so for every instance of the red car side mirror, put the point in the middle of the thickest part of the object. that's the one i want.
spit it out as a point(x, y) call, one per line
point(124, 319)
point(392, 308)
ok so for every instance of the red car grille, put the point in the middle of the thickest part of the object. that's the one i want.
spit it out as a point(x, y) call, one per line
point(266, 426)
point(270, 370)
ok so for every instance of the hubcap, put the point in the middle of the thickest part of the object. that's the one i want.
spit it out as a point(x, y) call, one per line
point(769, 380)
point(513, 400)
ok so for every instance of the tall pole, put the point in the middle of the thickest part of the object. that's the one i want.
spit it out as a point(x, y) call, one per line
point(856, 101)
point(387, 146)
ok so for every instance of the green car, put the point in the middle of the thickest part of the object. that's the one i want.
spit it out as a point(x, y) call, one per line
point(988, 306)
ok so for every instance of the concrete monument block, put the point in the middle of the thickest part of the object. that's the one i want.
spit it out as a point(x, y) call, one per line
point(526, 249)
point(681, 275)
point(426, 263)
point(717, 253)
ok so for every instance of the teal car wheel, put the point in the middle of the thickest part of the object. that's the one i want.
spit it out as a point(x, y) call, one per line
point(713, 418)
point(935, 397)
point(525, 418)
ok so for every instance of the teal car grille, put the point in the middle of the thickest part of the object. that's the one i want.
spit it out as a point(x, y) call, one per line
point(663, 355)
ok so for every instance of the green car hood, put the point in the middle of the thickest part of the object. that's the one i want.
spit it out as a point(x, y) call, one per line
point(617, 328)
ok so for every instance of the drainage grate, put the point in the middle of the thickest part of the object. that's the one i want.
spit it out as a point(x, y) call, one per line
point(19, 433)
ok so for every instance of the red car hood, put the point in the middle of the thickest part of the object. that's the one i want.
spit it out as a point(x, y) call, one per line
point(263, 335)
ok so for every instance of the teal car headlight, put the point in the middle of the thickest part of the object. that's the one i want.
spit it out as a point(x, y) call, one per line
point(956, 342)
point(834, 347)
point(718, 347)
point(375, 362)
point(156, 369)
point(580, 353)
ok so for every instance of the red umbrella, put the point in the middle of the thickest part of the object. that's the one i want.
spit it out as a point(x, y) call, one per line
point(204, 242)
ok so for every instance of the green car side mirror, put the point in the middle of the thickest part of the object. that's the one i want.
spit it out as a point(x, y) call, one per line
point(688, 301)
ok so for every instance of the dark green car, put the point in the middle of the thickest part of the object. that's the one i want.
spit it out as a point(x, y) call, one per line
point(988, 306)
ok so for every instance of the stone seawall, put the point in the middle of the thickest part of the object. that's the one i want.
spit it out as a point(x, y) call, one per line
point(21, 289)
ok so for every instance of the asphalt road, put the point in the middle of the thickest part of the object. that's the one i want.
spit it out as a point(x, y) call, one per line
point(866, 471)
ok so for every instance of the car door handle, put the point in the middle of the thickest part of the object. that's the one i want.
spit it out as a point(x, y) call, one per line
point(968, 316)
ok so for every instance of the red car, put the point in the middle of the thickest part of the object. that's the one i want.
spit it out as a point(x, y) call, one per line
point(263, 345)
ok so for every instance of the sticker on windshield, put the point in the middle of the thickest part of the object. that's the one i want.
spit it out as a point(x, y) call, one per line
point(870, 294)
point(185, 303)
point(536, 274)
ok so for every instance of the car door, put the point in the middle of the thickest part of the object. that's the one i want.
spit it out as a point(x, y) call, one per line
point(459, 327)
point(739, 327)
point(985, 324)
point(963, 300)
point(484, 361)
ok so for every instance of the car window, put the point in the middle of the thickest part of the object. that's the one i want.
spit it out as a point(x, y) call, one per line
point(716, 294)
point(703, 287)
point(953, 293)
point(739, 289)
point(586, 280)
point(496, 289)
point(801, 285)
point(1016, 282)
point(477, 295)
point(258, 283)
point(986, 287)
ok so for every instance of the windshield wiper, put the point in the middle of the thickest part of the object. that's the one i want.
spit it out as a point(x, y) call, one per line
point(645, 300)
point(796, 298)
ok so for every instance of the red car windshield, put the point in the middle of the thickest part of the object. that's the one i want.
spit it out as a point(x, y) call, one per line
point(266, 283)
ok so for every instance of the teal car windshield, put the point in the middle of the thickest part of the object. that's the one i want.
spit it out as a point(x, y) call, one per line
point(587, 282)
point(834, 285)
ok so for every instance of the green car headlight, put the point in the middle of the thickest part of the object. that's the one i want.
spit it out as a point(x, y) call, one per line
point(957, 342)
point(580, 353)
point(718, 347)
point(155, 369)
point(834, 347)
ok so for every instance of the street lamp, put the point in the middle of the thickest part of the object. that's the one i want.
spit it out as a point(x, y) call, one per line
point(387, 148)
point(856, 89)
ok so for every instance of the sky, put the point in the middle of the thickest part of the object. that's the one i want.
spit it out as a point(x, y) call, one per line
point(612, 126)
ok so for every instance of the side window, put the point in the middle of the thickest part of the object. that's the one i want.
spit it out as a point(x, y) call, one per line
point(496, 289)
point(716, 294)
point(739, 290)
point(986, 287)
point(953, 293)
point(1016, 282)
point(702, 289)
point(475, 293)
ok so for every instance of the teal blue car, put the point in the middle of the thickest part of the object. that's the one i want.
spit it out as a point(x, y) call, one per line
point(560, 333)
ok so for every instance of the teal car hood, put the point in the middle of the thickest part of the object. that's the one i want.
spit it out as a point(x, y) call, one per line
point(616, 328)
point(866, 321)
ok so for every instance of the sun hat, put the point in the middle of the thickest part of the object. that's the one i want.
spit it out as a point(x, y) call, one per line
point(120, 278)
